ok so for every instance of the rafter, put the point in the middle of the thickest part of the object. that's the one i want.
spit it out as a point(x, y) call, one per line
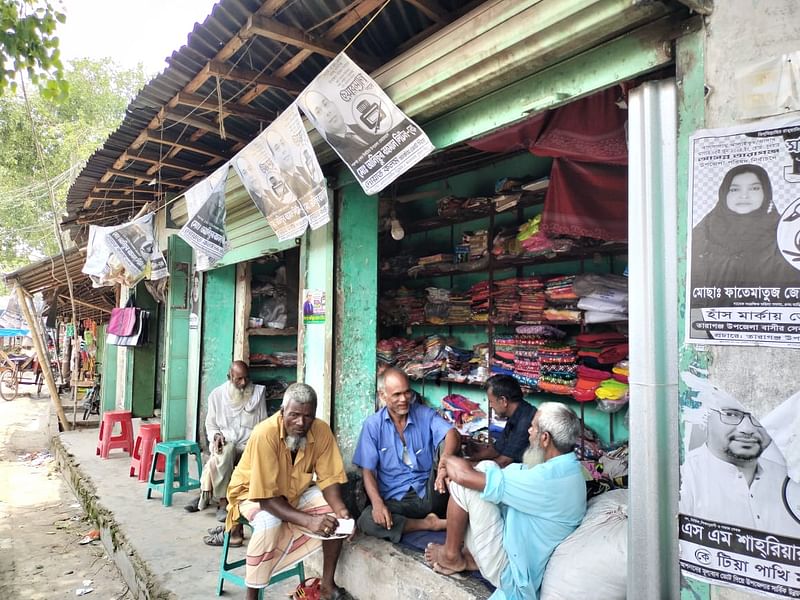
point(431, 9)
point(218, 68)
point(174, 140)
point(199, 123)
point(230, 108)
point(153, 159)
point(358, 12)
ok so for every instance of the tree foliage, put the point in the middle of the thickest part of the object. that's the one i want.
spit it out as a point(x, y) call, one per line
point(69, 130)
point(29, 45)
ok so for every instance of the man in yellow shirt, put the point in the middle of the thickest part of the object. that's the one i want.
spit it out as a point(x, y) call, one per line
point(273, 487)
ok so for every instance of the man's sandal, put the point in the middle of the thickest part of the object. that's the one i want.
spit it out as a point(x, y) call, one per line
point(218, 539)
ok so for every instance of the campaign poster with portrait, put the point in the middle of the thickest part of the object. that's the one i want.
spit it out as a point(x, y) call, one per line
point(739, 508)
point(743, 283)
point(373, 137)
point(313, 306)
point(283, 177)
point(204, 231)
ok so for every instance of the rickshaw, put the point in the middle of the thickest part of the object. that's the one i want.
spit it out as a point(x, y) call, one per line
point(16, 369)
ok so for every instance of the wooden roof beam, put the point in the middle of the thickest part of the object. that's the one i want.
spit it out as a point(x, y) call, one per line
point(230, 108)
point(285, 34)
point(153, 159)
point(218, 68)
point(199, 123)
point(167, 138)
point(432, 10)
point(359, 11)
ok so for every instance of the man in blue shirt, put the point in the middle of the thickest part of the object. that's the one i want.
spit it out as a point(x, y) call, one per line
point(397, 452)
point(507, 522)
point(505, 399)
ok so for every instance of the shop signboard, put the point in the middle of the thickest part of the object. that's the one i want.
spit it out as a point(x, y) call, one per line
point(283, 177)
point(743, 283)
point(373, 137)
point(739, 510)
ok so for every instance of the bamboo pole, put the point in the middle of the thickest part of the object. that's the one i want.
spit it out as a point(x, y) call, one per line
point(44, 359)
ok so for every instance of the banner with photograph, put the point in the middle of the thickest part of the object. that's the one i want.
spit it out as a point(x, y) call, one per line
point(739, 521)
point(205, 229)
point(369, 133)
point(284, 179)
point(743, 283)
point(313, 306)
point(124, 254)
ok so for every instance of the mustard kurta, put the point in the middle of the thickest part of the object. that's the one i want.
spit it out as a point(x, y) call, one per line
point(266, 470)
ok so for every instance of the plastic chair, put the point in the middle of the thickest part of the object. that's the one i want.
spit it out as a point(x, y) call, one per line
point(149, 436)
point(226, 569)
point(180, 450)
point(107, 441)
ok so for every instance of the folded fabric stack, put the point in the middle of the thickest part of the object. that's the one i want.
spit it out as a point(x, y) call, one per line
point(479, 301)
point(478, 242)
point(531, 299)
point(589, 380)
point(284, 359)
point(462, 412)
point(505, 299)
point(437, 306)
point(435, 259)
point(557, 368)
point(459, 307)
point(479, 364)
point(457, 363)
point(506, 244)
point(558, 290)
point(535, 242)
point(397, 265)
point(410, 306)
point(449, 206)
point(604, 298)
point(503, 358)
point(598, 349)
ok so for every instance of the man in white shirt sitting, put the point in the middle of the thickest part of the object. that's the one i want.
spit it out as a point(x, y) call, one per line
point(234, 409)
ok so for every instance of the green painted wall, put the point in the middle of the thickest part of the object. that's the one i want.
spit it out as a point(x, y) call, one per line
point(216, 333)
point(108, 380)
point(690, 66)
point(356, 298)
point(173, 410)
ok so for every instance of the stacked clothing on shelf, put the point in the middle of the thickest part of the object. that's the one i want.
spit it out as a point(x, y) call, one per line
point(505, 298)
point(478, 242)
point(562, 299)
point(558, 368)
point(275, 359)
point(457, 363)
point(479, 301)
point(503, 358)
point(534, 242)
point(397, 266)
point(531, 299)
point(604, 298)
point(437, 306)
point(459, 307)
point(410, 306)
point(434, 357)
point(464, 414)
point(604, 348)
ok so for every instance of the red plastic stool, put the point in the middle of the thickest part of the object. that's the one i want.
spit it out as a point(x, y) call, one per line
point(107, 441)
point(149, 436)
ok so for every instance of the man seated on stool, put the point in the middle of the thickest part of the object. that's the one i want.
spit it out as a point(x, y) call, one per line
point(397, 452)
point(287, 486)
point(507, 522)
point(505, 399)
point(234, 409)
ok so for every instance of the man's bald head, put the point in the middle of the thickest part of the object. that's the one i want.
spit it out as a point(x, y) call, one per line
point(238, 374)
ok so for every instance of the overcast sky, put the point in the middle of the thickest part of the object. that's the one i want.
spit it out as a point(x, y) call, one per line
point(145, 31)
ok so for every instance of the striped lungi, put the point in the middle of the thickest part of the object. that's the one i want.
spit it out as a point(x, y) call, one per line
point(276, 545)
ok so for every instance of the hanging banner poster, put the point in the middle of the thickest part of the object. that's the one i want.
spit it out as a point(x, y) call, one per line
point(740, 492)
point(369, 133)
point(124, 254)
point(743, 284)
point(205, 229)
point(282, 175)
point(313, 306)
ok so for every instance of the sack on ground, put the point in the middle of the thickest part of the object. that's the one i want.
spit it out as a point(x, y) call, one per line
point(592, 562)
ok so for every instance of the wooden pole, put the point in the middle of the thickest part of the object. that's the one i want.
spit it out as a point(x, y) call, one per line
point(44, 359)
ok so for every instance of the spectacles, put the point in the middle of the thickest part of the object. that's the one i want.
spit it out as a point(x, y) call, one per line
point(732, 416)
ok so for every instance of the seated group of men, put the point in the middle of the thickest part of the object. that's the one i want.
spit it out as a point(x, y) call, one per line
point(504, 506)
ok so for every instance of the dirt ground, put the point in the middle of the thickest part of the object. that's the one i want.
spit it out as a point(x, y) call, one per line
point(41, 522)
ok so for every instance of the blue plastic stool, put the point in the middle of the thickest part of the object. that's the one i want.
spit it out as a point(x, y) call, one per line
point(226, 568)
point(180, 449)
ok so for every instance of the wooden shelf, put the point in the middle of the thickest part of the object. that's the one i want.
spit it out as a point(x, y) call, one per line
point(499, 264)
point(258, 366)
point(528, 199)
point(271, 331)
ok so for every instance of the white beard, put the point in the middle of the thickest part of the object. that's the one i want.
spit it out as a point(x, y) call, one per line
point(237, 397)
point(533, 456)
point(295, 442)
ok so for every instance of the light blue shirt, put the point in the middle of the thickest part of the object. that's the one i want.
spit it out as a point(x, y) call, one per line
point(380, 450)
point(541, 507)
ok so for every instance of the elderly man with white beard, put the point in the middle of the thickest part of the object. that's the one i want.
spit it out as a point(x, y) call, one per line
point(234, 409)
point(506, 522)
point(288, 486)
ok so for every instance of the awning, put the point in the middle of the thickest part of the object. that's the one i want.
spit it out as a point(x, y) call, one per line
point(13, 332)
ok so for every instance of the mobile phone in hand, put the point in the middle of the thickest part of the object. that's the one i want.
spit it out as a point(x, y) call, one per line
point(345, 527)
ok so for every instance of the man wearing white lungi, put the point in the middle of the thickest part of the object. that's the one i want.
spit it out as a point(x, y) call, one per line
point(234, 409)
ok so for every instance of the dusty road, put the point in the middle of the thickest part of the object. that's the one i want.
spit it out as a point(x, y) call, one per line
point(41, 522)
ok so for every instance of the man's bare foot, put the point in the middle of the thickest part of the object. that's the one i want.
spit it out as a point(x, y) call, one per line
point(437, 557)
point(469, 560)
point(435, 523)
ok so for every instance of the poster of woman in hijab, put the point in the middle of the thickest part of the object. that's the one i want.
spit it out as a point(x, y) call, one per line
point(743, 284)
